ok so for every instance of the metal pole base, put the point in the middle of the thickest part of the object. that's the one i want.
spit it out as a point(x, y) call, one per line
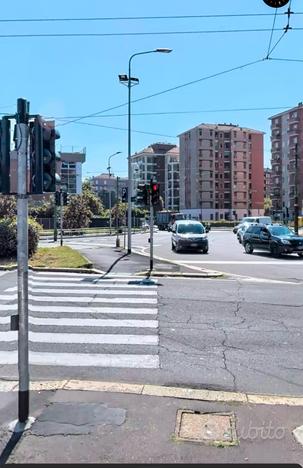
point(23, 406)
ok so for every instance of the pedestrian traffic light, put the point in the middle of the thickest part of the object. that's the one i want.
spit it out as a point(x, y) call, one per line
point(142, 195)
point(155, 192)
point(65, 198)
point(5, 155)
point(58, 198)
point(124, 194)
point(43, 156)
point(276, 3)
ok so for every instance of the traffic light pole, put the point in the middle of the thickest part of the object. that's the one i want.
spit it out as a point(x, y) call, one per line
point(61, 217)
point(22, 134)
point(117, 216)
point(296, 204)
point(151, 235)
point(55, 221)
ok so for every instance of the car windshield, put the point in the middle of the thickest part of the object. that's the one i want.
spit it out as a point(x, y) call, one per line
point(190, 229)
point(281, 231)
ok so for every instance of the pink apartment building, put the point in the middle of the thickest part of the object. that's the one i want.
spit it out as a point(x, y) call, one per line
point(222, 174)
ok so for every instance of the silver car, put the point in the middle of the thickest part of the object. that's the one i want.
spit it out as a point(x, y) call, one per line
point(189, 235)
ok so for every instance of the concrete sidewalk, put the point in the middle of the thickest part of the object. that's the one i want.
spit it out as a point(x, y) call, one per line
point(90, 426)
point(115, 260)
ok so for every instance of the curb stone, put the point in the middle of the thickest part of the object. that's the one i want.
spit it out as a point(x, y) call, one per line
point(157, 390)
point(58, 270)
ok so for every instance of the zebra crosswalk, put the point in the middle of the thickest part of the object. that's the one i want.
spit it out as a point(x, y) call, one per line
point(84, 320)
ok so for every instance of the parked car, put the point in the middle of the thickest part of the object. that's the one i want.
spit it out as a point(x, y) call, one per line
point(274, 238)
point(252, 219)
point(188, 234)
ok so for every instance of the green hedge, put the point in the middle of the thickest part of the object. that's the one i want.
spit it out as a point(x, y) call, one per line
point(8, 237)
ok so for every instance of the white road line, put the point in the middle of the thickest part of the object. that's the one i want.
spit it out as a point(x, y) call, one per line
point(239, 262)
point(145, 361)
point(84, 309)
point(102, 285)
point(94, 292)
point(80, 322)
point(77, 277)
point(81, 338)
point(86, 300)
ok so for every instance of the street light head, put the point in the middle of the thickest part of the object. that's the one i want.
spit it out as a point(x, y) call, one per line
point(164, 50)
point(123, 78)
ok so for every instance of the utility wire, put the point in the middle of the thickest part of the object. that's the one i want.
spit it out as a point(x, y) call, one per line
point(189, 83)
point(272, 31)
point(285, 59)
point(286, 29)
point(143, 33)
point(124, 129)
point(175, 112)
point(122, 18)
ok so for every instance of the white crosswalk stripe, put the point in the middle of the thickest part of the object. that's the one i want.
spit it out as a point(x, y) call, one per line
point(84, 320)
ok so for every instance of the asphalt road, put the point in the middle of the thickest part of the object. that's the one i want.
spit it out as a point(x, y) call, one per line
point(225, 254)
point(232, 334)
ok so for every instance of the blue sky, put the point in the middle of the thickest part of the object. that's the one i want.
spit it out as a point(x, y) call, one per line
point(76, 76)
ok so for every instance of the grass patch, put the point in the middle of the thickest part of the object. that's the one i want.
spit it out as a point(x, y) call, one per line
point(59, 257)
point(8, 262)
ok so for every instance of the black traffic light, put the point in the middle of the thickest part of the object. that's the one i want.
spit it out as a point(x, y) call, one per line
point(43, 136)
point(5, 155)
point(155, 192)
point(142, 195)
point(276, 3)
point(64, 198)
point(124, 197)
point(58, 198)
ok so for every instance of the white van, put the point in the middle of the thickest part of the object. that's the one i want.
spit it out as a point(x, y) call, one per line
point(253, 219)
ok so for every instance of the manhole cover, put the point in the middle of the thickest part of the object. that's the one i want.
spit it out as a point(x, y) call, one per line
point(217, 429)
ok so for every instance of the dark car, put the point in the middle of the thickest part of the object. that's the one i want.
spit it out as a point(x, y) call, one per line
point(189, 235)
point(274, 238)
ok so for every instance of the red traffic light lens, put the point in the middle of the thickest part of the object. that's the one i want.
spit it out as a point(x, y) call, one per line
point(155, 187)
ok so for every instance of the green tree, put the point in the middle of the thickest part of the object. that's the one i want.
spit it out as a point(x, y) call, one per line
point(91, 199)
point(8, 206)
point(267, 205)
point(77, 214)
point(119, 209)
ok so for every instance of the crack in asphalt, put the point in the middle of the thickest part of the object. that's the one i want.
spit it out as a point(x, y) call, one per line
point(225, 346)
point(218, 301)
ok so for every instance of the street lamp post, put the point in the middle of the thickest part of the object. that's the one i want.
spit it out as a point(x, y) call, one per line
point(129, 81)
point(110, 192)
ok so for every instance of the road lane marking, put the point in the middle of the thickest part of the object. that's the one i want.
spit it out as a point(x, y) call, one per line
point(94, 292)
point(145, 361)
point(238, 262)
point(84, 322)
point(83, 310)
point(81, 338)
point(86, 300)
point(103, 285)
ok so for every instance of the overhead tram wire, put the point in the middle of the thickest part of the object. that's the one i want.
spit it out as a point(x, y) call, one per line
point(159, 93)
point(143, 33)
point(272, 32)
point(139, 18)
point(286, 29)
point(124, 129)
point(285, 59)
point(241, 109)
